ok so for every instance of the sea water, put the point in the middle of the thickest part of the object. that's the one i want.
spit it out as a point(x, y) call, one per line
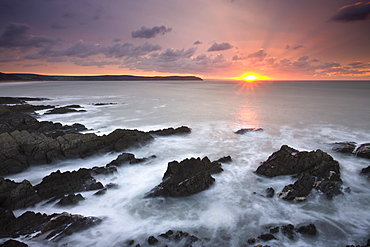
point(306, 115)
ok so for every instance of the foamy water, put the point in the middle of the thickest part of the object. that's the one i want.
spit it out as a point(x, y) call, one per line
point(303, 115)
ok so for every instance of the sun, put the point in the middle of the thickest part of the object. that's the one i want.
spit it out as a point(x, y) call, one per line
point(250, 77)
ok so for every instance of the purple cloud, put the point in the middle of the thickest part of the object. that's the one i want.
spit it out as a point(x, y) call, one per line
point(148, 33)
point(15, 35)
point(355, 12)
point(220, 47)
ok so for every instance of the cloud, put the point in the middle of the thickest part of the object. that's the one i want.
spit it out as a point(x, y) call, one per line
point(236, 58)
point(197, 42)
point(15, 35)
point(128, 50)
point(220, 47)
point(57, 26)
point(259, 55)
point(359, 65)
point(99, 64)
point(355, 12)
point(296, 47)
point(148, 33)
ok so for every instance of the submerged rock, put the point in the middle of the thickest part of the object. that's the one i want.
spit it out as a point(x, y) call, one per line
point(316, 169)
point(243, 131)
point(65, 109)
point(344, 147)
point(188, 177)
point(70, 199)
point(13, 243)
point(171, 131)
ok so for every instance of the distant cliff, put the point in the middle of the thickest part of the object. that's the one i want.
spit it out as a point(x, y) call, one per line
point(36, 77)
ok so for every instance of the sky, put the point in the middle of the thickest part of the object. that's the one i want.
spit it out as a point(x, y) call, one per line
point(213, 39)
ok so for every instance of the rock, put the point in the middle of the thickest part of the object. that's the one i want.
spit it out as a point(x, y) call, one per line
point(266, 237)
point(300, 190)
point(71, 199)
point(21, 149)
point(100, 192)
point(270, 192)
point(152, 240)
point(19, 100)
point(27, 224)
point(225, 159)
point(6, 216)
point(274, 229)
point(179, 236)
point(65, 224)
point(363, 151)
point(13, 243)
point(316, 169)
point(366, 171)
point(288, 230)
point(63, 110)
point(252, 241)
point(17, 195)
point(344, 147)
point(103, 104)
point(171, 131)
point(188, 177)
point(243, 131)
point(309, 229)
point(58, 184)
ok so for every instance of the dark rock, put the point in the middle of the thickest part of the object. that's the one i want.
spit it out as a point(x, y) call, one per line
point(71, 199)
point(100, 192)
point(243, 131)
point(266, 237)
point(252, 241)
point(309, 229)
point(171, 131)
point(316, 169)
point(65, 224)
point(13, 243)
point(19, 100)
point(6, 216)
point(127, 158)
point(17, 195)
point(288, 230)
point(344, 147)
point(363, 151)
point(27, 224)
point(58, 184)
point(274, 229)
point(365, 170)
point(103, 170)
point(64, 110)
point(111, 186)
point(270, 192)
point(177, 236)
point(299, 190)
point(225, 159)
point(103, 104)
point(20, 149)
point(152, 240)
point(188, 177)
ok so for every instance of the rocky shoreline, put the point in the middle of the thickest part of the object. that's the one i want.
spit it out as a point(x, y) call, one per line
point(27, 142)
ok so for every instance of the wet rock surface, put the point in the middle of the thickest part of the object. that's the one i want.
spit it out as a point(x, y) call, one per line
point(171, 131)
point(53, 226)
point(363, 150)
point(247, 130)
point(188, 177)
point(315, 169)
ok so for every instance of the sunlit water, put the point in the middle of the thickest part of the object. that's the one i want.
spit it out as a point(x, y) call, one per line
point(303, 115)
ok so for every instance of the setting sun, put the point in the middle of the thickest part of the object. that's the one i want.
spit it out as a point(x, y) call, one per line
point(250, 77)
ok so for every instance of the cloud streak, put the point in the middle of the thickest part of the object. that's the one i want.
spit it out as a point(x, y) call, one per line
point(148, 33)
point(219, 47)
point(359, 11)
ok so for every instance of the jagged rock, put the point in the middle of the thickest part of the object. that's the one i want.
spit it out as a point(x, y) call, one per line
point(171, 131)
point(316, 169)
point(178, 236)
point(274, 229)
point(70, 199)
point(344, 147)
point(13, 243)
point(17, 195)
point(243, 131)
point(188, 177)
point(363, 151)
point(6, 216)
point(58, 184)
point(309, 229)
point(20, 149)
point(19, 100)
point(365, 170)
point(225, 159)
point(26, 224)
point(65, 224)
point(103, 104)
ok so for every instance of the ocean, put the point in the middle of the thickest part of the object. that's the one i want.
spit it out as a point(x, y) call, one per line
point(305, 115)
